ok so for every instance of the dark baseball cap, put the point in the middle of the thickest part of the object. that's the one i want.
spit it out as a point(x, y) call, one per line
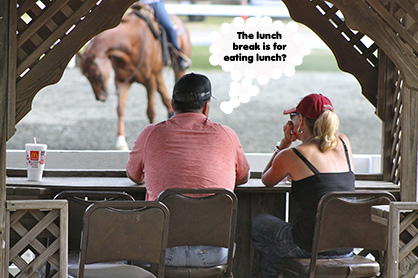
point(192, 87)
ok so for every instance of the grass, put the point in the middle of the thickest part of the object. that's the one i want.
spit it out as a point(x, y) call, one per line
point(200, 59)
point(319, 60)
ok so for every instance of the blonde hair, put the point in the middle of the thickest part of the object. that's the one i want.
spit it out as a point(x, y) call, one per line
point(326, 130)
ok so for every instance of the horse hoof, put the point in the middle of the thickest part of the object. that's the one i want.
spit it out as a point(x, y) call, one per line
point(122, 148)
point(121, 143)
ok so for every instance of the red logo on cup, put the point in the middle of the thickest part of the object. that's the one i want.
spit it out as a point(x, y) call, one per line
point(34, 155)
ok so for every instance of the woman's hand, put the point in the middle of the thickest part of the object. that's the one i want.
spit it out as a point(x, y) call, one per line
point(289, 135)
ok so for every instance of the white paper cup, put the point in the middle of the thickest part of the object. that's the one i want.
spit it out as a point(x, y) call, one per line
point(35, 160)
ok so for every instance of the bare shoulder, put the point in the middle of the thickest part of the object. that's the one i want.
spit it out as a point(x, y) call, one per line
point(284, 160)
point(345, 139)
point(285, 154)
point(343, 136)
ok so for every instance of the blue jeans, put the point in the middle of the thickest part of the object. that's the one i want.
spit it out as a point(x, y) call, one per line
point(272, 237)
point(196, 256)
point(164, 19)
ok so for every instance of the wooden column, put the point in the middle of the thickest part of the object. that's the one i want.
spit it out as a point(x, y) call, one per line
point(3, 130)
point(7, 109)
point(3, 257)
point(409, 122)
point(385, 111)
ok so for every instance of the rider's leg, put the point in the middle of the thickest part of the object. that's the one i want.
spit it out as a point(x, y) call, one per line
point(164, 19)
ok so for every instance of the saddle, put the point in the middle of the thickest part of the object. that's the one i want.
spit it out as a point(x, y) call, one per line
point(146, 13)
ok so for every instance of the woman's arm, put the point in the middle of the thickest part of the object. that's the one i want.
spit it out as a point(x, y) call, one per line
point(276, 169)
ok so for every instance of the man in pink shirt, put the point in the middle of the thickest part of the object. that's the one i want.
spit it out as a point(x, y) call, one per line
point(189, 151)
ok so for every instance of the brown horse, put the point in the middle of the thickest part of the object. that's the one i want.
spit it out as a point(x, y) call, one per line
point(135, 55)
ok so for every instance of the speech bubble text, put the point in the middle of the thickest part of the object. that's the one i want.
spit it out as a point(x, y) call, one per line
point(255, 49)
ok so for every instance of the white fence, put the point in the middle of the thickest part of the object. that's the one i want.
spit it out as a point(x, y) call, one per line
point(278, 10)
point(116, 160)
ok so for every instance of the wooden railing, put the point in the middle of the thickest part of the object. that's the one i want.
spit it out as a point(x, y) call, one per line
point(37, 233)
point(402, 221)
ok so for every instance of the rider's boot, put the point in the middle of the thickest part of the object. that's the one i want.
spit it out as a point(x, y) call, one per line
point(183, 62)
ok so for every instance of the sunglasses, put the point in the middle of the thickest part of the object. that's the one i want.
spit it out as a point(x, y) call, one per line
point(293, 115)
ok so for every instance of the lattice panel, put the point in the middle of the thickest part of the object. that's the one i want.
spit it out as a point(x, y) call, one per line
point(396, 132)
point(37, 235)
point(408, 244)
point(49, 33)
point(41, 24)
point(355, 52)
point(360, 42)
point(402, 16)
point(392, 24)
point(403, 240)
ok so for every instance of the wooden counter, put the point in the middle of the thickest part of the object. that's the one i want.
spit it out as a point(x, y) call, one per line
point(253, 198)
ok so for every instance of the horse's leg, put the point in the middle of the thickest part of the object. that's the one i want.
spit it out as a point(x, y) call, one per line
point(123, 92)
point(178, 73)
point(162, 90)
point(176, 68)
point(151, 87)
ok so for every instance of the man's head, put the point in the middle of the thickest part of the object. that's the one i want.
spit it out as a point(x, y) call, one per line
point(191, 92)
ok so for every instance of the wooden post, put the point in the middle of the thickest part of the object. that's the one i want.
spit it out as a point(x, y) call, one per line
point(409, 122)
point(384, 110)
point(3, 258)
point(3, 131)
point(7, 110)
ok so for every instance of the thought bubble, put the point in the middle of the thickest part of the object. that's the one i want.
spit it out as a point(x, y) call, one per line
point(256, 48)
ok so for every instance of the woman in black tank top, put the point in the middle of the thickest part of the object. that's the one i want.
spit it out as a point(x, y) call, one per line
point(321, 164)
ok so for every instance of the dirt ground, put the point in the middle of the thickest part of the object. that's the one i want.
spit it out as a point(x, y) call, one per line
point(66, 115)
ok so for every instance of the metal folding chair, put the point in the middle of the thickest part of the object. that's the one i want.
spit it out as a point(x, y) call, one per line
point(344, 221)
point(78, 201)
point(115, 231)
point(201, 217)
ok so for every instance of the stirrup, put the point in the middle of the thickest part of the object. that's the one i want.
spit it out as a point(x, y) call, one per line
point(185, 61)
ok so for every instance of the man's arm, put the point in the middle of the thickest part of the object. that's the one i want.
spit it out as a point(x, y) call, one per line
point(135, 164)
point(243, 180)
point(141, 181)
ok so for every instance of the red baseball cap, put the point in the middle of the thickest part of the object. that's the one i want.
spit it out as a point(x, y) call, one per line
point(311, 106)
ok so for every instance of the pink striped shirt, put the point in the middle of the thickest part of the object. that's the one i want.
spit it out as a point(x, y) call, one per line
point(187, 151)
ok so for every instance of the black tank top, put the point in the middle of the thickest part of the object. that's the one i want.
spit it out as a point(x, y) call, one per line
point(309, 191)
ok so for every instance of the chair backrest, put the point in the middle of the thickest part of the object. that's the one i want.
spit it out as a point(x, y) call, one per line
point(201, 217)
point(78, 201)
point(119, 230)
point(344, 221)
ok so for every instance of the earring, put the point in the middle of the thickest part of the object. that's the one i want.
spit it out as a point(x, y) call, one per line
point(300, 130)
